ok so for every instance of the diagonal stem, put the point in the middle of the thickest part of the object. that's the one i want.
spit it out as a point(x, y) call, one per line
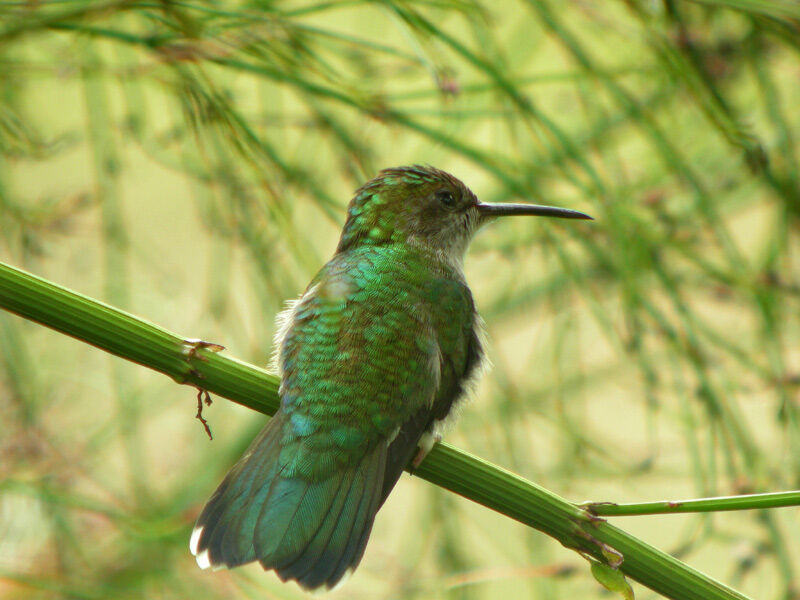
point(137, 340)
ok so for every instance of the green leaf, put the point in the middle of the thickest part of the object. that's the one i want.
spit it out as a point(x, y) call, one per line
point(612, 579)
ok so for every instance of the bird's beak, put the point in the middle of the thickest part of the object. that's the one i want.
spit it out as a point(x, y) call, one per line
point(488, 211)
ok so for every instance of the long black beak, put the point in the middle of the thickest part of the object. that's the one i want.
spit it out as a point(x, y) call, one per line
point(504, 210)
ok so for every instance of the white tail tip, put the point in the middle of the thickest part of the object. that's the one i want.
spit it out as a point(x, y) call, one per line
point(195, 539)
point(202, 560)
point(343, 580)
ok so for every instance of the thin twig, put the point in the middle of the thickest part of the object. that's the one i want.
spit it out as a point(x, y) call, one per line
point(203, 395)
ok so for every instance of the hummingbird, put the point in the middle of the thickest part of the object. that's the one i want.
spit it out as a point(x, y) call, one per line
point(372, 358)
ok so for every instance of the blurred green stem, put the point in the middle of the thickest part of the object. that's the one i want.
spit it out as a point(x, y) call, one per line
point(745, 502)
point(137, 340)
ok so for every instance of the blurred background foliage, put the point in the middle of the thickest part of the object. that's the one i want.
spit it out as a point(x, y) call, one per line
point(190, 162)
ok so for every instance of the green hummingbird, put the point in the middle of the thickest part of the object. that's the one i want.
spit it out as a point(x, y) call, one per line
point(372, 358)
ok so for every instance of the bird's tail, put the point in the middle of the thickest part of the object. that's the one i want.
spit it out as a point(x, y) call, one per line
point(313, 532)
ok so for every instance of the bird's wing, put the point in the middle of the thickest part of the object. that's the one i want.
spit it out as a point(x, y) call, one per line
point(461, 353)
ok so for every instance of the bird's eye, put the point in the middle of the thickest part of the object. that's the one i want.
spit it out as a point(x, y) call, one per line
point(445, 197)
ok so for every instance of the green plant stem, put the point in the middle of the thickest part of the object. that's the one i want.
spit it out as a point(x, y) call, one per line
point(781, 8)
point(749, 501)
point(137, 340)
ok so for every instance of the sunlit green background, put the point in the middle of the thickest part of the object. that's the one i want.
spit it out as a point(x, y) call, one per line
point(190, 162)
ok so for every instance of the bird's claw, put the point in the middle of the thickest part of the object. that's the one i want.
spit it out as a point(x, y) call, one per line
point(426, 443)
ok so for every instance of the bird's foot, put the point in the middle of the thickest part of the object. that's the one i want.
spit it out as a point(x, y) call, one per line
point(426, 442)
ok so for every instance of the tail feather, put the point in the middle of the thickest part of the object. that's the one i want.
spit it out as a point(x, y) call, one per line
point(299, 565)
point(294, 511)
point(237, 549)
point(368, 506)
point(235, 504)
point(319, 563)
point(309, 531)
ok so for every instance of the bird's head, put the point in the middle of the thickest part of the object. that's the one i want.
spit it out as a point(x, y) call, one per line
point(425, 207)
